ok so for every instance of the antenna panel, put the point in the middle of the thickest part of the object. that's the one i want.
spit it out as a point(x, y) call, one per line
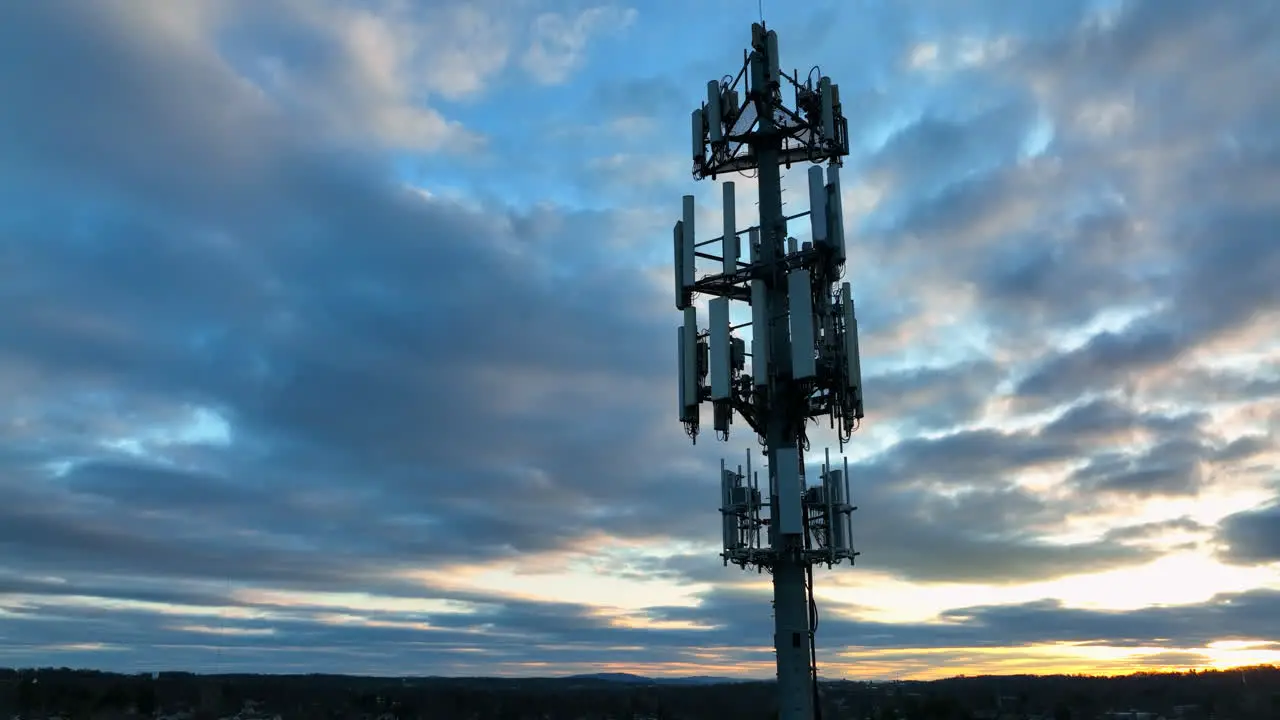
point(817, 204)
point(835, 212)
point(681, 364)
point(790, 520)
point(699, 136)
point(838, 536)
point(759, 74)
point(771, 48)
point(824, 325)
point(688, 264)
point(678, 241)
point(730, 242)
point(721, 356)
point(689, 366)
point(730, 530)
point(753, 241)
point(827, 97)
point(760, 331)
point(853, 360)
point(714, 115)
point(800, 296)
point(729, 482)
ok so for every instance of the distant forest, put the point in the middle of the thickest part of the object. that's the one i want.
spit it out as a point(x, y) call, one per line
point(1251, 693)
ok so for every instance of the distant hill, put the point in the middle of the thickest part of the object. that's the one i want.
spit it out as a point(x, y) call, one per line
point(630, 679)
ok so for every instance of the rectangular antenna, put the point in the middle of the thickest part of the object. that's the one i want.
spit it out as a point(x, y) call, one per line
point(689, 371)
point(725, 495)
point(839, 530)
point(831, 509)
point(817, 205)
point(730, 242)
point(835, 213)
point(681, 364)
point(721, 357)
point(729, 518)
point(678, 241)
point(827, 98)
point(699, 136)
point(790, 520)
point(714, 115)
point(759, 74)
point(800, 297)
point(690, 243)
point(771, 49)
point(848, 515)
point(853, 361)
point(760, 331)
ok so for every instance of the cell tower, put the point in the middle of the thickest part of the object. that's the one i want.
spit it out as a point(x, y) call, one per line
point(804, 362)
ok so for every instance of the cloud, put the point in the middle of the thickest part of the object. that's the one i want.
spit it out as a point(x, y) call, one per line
point(308, 308)
point(505, 633)
point(559, 42)
point(1252, 536)
point(1238, 616)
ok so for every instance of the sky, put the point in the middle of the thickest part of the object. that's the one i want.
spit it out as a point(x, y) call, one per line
point(337, 336)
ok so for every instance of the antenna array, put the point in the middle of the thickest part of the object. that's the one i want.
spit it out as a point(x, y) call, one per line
point(804, 358)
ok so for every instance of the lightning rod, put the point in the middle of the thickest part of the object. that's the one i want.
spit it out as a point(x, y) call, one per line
point(804, 345)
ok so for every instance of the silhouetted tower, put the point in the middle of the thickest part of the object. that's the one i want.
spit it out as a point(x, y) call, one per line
point(804, 360)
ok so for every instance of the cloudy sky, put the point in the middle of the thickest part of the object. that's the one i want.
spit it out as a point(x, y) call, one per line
point(337, 336)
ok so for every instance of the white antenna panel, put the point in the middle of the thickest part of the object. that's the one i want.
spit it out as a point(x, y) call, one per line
point(729, 482)
point(688, 265)
point(851, 351)
point(800, 297)
point(699, 135)
point(681, 361)
point(760, 331)
point(838, 519)
point(721, 355)
point(678, 241)
point(771, 47)
point(725, 485)
point(689, 369)
point(817, 204)
point(835, 212)
point(848, 515)
point(730, 242)
point(827, 97)
point(790, 520)
point(833, 483)
point(714, 115)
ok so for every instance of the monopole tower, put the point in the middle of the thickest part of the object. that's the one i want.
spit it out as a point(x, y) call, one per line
point(802, 365)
